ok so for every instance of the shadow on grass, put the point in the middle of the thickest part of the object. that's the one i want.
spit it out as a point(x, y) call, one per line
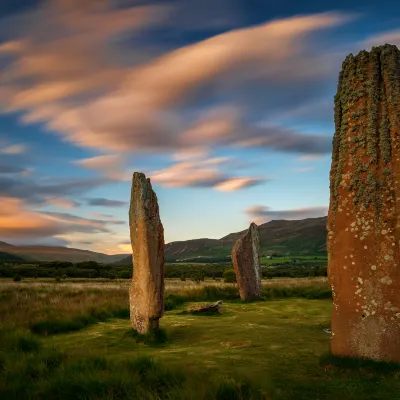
point(154, 338)
point(328, 360)
point(202, 313)
point(56, 326)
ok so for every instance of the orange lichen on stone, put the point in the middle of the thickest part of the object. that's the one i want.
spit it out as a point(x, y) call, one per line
point(363, 232)
point(146, 293)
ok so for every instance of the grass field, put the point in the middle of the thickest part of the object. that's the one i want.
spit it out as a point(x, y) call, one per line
point(309, 259)
point(260, 350)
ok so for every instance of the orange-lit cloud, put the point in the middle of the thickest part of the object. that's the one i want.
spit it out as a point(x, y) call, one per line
point(83, 86)
point(202, 173)
point(62, 202)
point(17, 221)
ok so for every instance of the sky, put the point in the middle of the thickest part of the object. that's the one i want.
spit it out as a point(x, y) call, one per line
point(227, 105)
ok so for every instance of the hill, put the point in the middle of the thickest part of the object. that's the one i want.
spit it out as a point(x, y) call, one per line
point(53, 253)
point(8, 257)
point(298, 237)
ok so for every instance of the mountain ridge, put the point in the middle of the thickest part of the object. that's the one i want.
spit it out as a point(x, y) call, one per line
point(286, 237)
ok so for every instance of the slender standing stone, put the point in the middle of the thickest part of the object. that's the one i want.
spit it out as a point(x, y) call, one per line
point(146, 293)
point(364, 213)
point(246, 262)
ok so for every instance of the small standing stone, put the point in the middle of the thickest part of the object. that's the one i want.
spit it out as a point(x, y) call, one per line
point(146, 295)
point(246, 262)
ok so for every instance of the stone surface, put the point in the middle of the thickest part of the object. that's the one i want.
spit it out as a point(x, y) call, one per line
point(146, 293)
point(246, 262)
point(364, 219)
point(199, 308)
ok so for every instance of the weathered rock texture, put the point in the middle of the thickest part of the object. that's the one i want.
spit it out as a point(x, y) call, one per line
point(246, 261)
point(147, 239)
point(364, 213)
point(205, 308)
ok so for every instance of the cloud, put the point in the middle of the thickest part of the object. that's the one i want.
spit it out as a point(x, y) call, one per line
point(14, 149)
point(35, 193)
point(104, 162)
point(391, 37)
point(309, 157)
point(102, 202)
point(262, 214)
point(93, 96)
point(100, 215)
point(233, 184)
point(18, 222)
point(202, 173)
point(62, 202)
point(10, 169)
point(305, 169)
point(110, 165)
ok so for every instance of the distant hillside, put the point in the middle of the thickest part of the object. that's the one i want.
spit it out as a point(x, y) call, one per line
point(7, 257)
point(52, 253)
point(306, 236)
point(299, 237)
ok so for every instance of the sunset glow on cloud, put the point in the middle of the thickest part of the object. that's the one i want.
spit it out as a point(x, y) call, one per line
point(228, 109)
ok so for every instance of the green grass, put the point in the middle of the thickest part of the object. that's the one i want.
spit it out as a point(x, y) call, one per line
point(274, 344)
point(300, 260)
point(270, 348)
point(50, 373)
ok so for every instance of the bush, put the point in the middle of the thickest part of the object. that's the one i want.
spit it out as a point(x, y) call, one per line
point(229, 276)
point(182, 278)
point(17, 278)
point(57, 279)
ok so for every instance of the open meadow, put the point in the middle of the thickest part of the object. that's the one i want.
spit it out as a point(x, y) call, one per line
point(73, 340)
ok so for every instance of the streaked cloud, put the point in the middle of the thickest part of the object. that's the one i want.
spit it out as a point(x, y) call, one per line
point(305, 169)
point(391, 37)
point(62, 202)
point(102, 202)
point(39, 193)
point(94, 97)
point(203, 173)
point(17, 221)
point(14, 149)
point(262, 214)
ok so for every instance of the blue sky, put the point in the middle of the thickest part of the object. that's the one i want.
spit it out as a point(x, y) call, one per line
point(227, 105)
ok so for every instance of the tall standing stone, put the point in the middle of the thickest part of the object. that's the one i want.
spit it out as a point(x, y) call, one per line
point(147, 238)
point(246, 262)
point(364, 213)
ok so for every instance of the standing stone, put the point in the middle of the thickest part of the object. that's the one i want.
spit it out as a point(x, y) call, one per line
point(364, 214)
point(246, 261)
point(147, 238)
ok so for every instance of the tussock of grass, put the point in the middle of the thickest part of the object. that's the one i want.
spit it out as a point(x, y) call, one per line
point(16, 341)
point(363, 365)
point(55, 326)
point(154, 338)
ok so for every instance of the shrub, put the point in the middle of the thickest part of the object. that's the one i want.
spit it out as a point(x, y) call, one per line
point(17, 278)
point(57, 279)
point(182, 278)
point(229, 276)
